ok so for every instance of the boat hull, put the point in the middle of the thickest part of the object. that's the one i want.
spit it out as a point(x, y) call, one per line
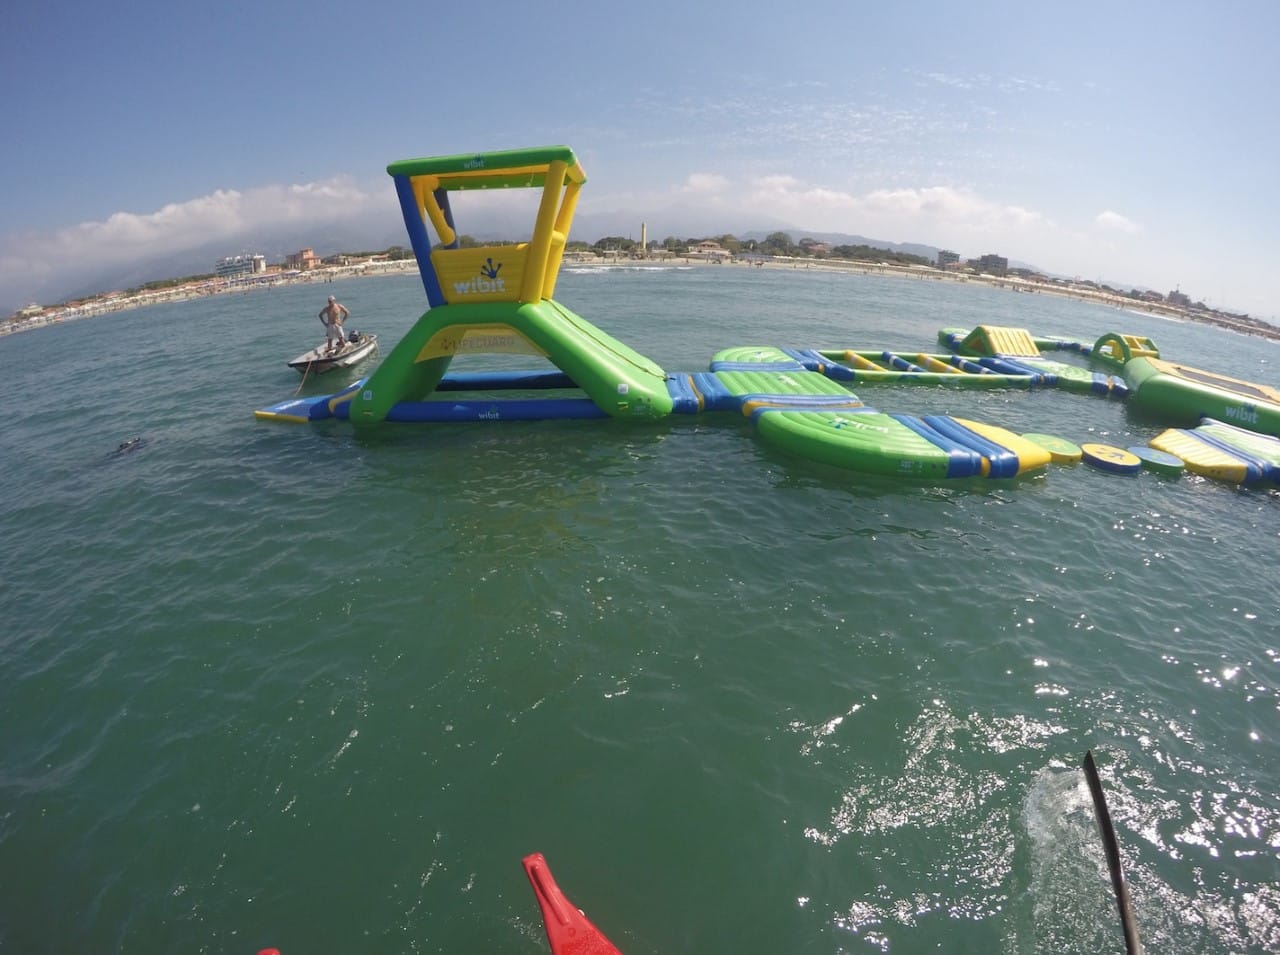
point(317, 362)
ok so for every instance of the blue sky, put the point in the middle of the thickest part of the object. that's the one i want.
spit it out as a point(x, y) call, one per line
point(1130, 143)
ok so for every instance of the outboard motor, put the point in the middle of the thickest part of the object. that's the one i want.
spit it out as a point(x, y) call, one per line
point(354, 337)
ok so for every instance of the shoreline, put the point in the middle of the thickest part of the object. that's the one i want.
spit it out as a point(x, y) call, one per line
point(121, 302)
point(1020, 285)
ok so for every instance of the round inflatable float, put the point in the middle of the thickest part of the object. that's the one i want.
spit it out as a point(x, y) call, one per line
point(1106, 458)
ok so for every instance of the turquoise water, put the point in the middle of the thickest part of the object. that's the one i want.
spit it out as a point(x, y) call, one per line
point(297, 686)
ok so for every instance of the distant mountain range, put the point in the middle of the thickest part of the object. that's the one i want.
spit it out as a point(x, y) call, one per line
point(201, 260)
point(929, 252)
point(841, 238)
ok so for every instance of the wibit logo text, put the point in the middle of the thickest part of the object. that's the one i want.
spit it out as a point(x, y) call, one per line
point(1244, 413)
point(485, 283)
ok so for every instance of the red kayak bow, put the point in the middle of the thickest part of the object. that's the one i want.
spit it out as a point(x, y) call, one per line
point(568, 930)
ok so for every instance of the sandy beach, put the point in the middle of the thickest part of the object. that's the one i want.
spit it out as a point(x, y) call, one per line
point(243, 285)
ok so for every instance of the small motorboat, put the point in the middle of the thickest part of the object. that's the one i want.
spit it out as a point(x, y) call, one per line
point(320, 359)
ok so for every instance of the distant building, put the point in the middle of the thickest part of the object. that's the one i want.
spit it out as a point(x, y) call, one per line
point(1180, 299)
point(948, 259)
point(240, 265)
point(304, 260)
point(993, 264)
point(708, 249)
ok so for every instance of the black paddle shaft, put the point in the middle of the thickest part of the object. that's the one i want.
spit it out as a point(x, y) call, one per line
point(1132, 945)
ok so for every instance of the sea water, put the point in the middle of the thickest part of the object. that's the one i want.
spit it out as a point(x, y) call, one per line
point(307, 687)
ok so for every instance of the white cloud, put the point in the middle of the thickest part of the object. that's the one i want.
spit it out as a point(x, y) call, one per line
point(35, 266)
point(948, 79)
point(931, 214)
point(709, 203)
point(705, 183)
point(1114, 222)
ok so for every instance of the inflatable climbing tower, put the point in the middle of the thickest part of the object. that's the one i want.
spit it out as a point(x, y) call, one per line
point(498, 299)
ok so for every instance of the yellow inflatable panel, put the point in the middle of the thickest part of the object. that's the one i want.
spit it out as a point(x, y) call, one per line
point(486, 338)
point(1141, 346)
point(1001, 340)
point(1030, 455)
point(491, 273)
point(1200, 457)
point(1120, 348)
point(858, 361)
point(934, 364)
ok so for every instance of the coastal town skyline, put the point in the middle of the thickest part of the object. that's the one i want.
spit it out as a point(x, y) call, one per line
point(831, 249)
point(243, 271)
point(1079, 142)
point(246, 273)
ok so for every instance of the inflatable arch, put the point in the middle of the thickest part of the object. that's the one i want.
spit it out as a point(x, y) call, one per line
point(497, 299)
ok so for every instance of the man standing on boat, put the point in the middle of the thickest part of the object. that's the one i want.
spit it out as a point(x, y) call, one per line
point(331, 317)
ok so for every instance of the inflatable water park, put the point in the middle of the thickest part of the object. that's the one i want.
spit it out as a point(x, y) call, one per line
point(500, 300)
